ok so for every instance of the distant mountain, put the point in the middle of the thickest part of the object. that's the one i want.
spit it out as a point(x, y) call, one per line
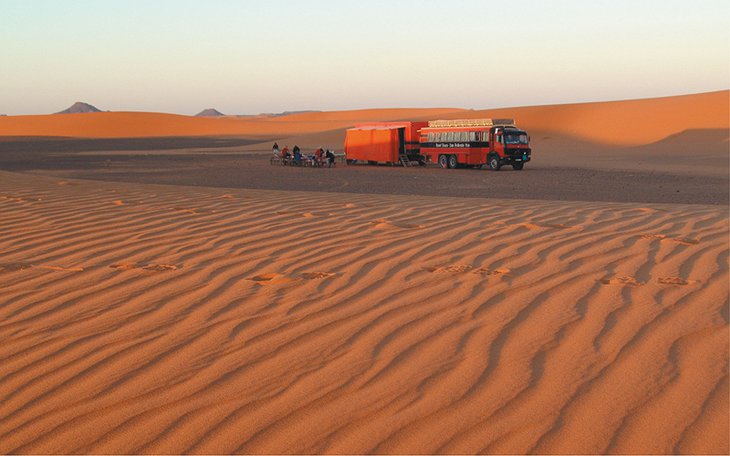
point(210, 112)
point(79, 107)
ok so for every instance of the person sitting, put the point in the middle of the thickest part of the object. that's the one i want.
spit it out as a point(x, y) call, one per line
point(297, 155)
point(330, 158)
point(285, 155)
point(319, 157)
point(275, 149)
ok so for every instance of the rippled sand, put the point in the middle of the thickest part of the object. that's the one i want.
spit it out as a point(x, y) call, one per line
point(171, 319)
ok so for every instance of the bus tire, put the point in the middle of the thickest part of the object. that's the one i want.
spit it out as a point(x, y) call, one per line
point(518, 166)
point(453, 161)
point(493, 162)
point(444, 161)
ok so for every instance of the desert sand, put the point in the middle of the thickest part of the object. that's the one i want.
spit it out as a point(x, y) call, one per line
point(204, 318)
point(158, 319)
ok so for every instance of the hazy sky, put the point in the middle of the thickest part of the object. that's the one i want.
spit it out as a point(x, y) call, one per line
point(246, 57)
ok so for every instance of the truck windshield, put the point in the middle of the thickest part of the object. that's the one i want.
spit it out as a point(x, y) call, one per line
point(515, 138)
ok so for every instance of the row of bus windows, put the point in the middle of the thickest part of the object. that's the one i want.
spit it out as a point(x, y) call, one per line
point(458, 136)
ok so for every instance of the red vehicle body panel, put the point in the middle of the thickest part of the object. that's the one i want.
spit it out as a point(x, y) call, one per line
point(471, 151)
point(380, 145)
point(382, 142)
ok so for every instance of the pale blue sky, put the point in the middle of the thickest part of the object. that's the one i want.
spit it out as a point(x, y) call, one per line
point(246, 57)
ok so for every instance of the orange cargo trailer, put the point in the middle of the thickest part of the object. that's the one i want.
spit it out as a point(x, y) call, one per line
point(384, 142)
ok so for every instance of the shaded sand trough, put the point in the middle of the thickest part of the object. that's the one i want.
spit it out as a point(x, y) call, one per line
point(164, 319)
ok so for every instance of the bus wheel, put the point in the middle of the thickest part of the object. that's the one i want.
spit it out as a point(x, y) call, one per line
point(444, 161)
point(453, 161)
point(518, 166)
point(493, 162)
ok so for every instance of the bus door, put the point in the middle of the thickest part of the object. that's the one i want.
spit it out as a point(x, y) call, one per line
point(401, 141)
point(496, 141)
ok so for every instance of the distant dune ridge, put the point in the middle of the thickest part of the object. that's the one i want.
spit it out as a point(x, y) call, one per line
point(79, 107)
point(620, 123)
point(210, 112)
point(287, 113)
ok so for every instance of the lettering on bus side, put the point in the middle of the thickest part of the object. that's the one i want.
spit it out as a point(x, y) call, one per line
point(455, 145)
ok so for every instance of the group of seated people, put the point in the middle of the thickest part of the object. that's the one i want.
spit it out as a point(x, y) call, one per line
point(320, 158)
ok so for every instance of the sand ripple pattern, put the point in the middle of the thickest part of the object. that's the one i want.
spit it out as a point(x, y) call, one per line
point(161, 319)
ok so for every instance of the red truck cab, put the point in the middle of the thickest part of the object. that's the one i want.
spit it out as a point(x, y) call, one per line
point(508, 145)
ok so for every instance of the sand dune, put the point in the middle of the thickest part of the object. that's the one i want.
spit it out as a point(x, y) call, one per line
point(145, 124)
point(165, 319)
point(624, 123)
point(620, 123)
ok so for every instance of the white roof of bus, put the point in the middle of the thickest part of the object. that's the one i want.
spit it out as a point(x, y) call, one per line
point(470, 123)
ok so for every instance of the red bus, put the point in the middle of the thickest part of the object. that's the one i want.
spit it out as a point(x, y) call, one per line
point(474, 143)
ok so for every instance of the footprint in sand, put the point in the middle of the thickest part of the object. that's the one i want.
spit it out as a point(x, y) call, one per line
point(21, 199)
point(686, 241)
point(315, 214)
point(270, 278)
point(384, 224)
point(146, 267)
point(59, 268)
point(193, 211)
point(305, 214)
point(654, 236)
point(622, 280)
point(542, 226)
point(464, 268)
point(675, 281)
point(317, 275)
point(453, 269)
point(9, 267)
point(265, 277)
point(273, 277)
point(160, 267)
point(492, 272)
point(678, 240)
